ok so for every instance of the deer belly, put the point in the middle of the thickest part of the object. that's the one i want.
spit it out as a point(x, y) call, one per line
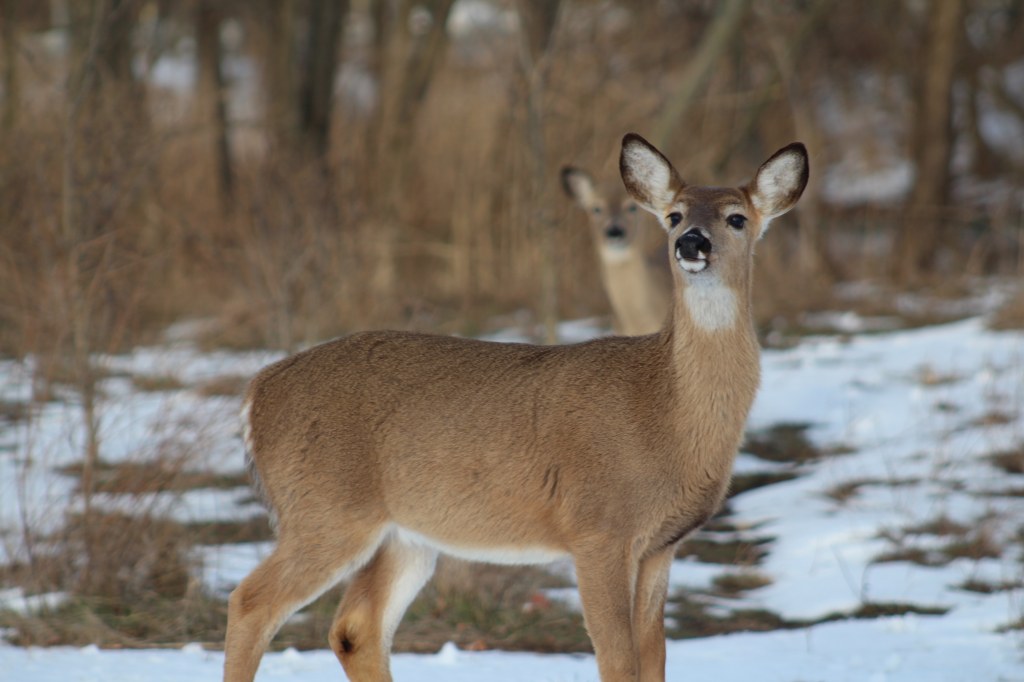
point(498, 553)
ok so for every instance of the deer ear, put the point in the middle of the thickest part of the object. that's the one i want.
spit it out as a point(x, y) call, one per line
point(648, 176)
point(779, 182)
point(579, 186)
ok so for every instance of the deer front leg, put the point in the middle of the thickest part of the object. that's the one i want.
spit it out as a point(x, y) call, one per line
point(607, 583)
point(649, 614)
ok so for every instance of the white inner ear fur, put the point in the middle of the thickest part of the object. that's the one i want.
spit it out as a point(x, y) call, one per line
point(651, 175)
point(774, 185)
point(712, 305)
point(582, 187)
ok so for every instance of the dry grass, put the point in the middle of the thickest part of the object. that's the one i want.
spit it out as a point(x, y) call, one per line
point(476, 606)
point(1010, 315)
point(708, 550)
point(137, 478)
point(961, 542)
point(735, 583)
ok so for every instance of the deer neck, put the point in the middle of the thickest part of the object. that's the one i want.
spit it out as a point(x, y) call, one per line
point(716, 359)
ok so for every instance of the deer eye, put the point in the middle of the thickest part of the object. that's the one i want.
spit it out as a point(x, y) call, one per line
point(632, 208)
point(597, 210)
point(737, 221)
point(675, 218)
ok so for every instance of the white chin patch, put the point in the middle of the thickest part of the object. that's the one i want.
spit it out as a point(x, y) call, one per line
point(693, 266)
point(616, 253)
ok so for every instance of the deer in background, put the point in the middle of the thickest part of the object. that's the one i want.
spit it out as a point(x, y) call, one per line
point(638, 287)
point(381, 450)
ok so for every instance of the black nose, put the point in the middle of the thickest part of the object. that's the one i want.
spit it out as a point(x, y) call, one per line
point(692, 244)
point(615, 232)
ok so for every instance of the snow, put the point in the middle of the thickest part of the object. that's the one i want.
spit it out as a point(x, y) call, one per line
point(883, 650)
point(916, 413)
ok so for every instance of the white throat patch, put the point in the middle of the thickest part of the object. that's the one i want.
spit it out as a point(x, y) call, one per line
point(615, 253)
point(711, 304)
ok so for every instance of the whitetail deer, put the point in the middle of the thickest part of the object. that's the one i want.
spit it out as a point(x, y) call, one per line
point(380, 450)
point(638, 287)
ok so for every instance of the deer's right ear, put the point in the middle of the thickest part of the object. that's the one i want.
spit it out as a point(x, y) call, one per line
point(649, 177)
point(579, 186)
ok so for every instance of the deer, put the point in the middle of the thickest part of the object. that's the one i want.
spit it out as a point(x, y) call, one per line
point(381, 450)
point(637, 286)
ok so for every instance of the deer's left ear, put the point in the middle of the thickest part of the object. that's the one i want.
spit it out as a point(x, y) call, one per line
point(779, 182)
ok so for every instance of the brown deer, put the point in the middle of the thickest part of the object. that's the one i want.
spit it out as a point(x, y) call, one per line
point(380, 450)
point(638, 287)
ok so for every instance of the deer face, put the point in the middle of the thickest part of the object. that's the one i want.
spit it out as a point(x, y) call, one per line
point(614, 215)
point(712, 230)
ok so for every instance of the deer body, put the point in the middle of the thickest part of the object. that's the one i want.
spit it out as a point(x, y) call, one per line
point(380, 450)
point(638, 287)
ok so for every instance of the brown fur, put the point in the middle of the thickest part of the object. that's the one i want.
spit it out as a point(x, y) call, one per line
point(638, 286)
point(608, 451)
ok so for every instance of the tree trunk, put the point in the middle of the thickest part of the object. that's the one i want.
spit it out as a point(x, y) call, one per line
point(11, 76)
point(279, 88)
point(537, 20)
point(325, 22)
point(932, 143)
point(813, 259)
point(211, 98)
point(406, 68)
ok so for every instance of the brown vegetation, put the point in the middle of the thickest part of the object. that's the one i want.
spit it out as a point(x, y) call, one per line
point(399, 172)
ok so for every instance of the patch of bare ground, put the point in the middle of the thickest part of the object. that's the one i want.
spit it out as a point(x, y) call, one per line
point(787, 443)
point(1010, 315)
point(692, 615)
point(152, 383)
point(13, 411)
point(736, 583)
point(1011, 461)
point(990, 587)
point(962, 542)
point(740, 552)
point(848, 490)
point(744, 482)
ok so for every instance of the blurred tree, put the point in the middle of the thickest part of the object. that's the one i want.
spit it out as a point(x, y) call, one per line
point(409, 50)
point(406, 61)
point(11, 77)
point(537, 21)
point(319, 69)
point(931, 142)
point(719, 35)
point(279, 69)
point(300, 65)
point(211, 94)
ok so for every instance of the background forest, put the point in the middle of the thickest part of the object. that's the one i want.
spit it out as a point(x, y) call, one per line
point(292, 170)
point(266, 174)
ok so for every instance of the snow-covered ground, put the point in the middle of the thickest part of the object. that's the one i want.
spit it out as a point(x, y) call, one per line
point(915, 414)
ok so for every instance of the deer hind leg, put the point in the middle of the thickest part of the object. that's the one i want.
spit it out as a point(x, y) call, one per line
point(372, 607)
point(649, 614)
point(607, 579)
point(296, 572)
